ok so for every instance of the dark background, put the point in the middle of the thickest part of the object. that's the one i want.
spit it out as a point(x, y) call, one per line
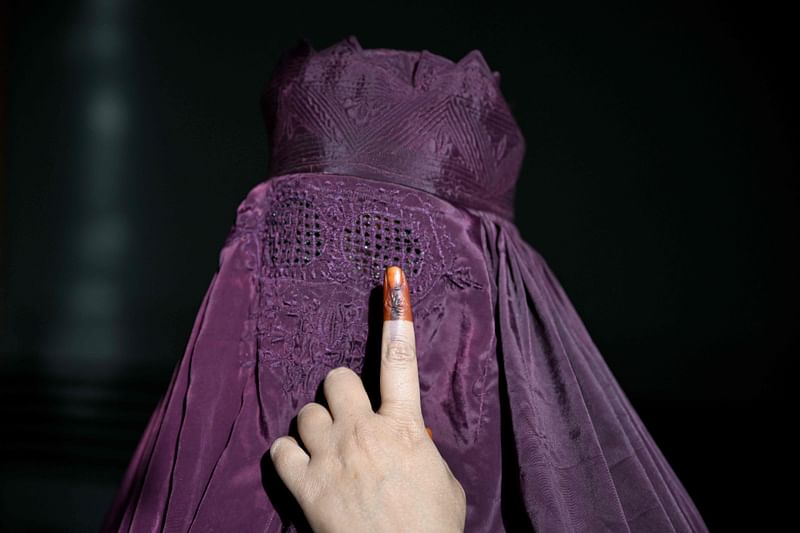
point(659, 184)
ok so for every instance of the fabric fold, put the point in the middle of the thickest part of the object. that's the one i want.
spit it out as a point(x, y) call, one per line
point(152, 455)
point(586, 462)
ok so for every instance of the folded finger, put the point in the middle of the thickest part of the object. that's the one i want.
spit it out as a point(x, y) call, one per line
point(345, 394)
point(290, 461)
point(314, 425)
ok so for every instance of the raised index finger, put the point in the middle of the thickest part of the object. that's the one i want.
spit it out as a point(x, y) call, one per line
point(399, 373)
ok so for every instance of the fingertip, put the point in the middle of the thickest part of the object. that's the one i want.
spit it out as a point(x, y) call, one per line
point(273, 449)
point(396, 295)
point(280, 442)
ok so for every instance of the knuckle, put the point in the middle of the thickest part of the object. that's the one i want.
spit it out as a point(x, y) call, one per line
point(409, 430)
point(461, 492)
point(400, 351)
point(363, 433)
point(461, 495)
point(458, 488)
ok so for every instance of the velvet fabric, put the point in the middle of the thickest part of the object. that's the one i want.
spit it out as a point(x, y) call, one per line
point(384, 157)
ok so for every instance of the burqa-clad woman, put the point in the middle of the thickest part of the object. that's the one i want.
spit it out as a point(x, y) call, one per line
point(385, 157)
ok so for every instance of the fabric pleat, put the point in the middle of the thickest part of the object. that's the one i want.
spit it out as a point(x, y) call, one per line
point(144, 488)
point(209, 412)
point(587, 463)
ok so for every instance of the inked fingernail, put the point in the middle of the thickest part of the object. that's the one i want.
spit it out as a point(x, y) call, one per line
point(396, 297)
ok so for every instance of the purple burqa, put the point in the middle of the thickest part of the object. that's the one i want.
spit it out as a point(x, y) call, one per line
point(384, 157)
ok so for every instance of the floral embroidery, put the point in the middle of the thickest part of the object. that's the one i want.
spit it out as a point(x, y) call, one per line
point(337, 234)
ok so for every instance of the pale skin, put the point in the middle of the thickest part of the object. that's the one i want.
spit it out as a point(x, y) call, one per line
point(371, 471)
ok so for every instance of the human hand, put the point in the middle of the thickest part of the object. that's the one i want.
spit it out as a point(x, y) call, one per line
point(373, 471)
